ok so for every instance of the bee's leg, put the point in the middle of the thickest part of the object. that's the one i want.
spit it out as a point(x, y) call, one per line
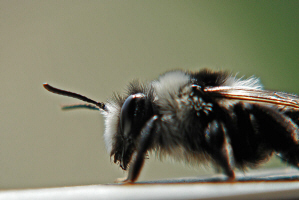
point(220, 147)
point(145, 141)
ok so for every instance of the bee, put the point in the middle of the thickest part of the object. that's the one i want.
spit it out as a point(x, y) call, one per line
point(198, 117)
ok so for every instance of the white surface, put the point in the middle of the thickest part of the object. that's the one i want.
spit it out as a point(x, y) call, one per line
point(185, 188)
point(163, 191)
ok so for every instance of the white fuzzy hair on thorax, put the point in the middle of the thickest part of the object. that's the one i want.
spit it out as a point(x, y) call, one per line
point(250, 83)
point(168, 86)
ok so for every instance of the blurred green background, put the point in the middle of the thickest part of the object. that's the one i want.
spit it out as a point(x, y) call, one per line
point(95, 48)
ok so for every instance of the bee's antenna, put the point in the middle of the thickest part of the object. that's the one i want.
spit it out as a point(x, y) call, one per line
point(50, 88)
point(80, 105)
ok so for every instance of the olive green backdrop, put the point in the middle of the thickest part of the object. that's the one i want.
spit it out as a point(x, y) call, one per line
point(96, 48)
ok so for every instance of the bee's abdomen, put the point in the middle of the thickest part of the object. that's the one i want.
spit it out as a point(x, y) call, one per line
point(259, 130)
point(248, 142)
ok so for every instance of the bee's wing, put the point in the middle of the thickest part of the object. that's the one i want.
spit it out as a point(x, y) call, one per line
point(249, 94)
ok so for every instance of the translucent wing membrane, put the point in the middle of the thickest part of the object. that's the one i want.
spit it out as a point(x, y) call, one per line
point(248, 94)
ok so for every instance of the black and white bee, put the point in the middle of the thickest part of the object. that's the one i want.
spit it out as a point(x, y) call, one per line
point(198, 117)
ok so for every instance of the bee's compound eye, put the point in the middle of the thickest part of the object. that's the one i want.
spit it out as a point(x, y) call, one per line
point(132, 106)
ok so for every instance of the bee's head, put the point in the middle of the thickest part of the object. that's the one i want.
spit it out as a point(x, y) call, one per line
point(124, 136)
point(125, 119)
